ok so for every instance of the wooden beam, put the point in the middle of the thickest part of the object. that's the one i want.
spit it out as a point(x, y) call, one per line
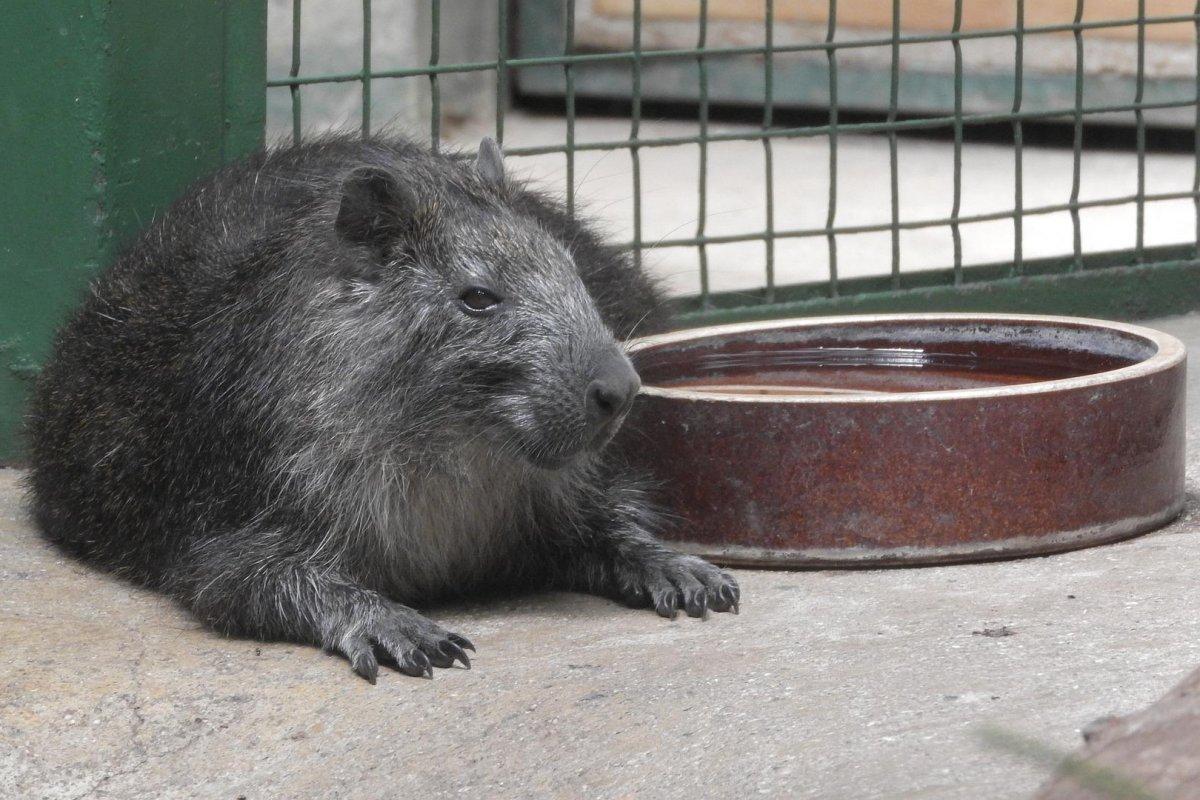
point(1152, 753)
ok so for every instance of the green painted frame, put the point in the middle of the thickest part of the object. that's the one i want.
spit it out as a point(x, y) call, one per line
point(109, 110)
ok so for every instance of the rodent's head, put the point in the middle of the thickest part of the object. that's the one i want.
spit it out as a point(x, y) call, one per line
point(490, 328)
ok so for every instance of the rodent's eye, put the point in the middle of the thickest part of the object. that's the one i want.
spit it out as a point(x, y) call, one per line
point(477, 300)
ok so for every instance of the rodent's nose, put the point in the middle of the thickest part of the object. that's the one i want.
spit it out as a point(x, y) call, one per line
point(611, 393)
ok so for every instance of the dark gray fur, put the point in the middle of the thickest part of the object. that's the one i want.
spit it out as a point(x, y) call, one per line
point(276, 408)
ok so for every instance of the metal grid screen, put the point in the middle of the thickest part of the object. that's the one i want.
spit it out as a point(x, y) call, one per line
point(892, 123)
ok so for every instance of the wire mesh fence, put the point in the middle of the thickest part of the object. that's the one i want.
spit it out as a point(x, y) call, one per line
point(823, 66)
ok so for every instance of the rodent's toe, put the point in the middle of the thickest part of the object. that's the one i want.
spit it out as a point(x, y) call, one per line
point(695, 601)
point(439, 657)
point(362, 660)
point(726, 599)
point(415, 664)
point(666, 602)
point(722, 590)
point(405, 656)
point(693, 595)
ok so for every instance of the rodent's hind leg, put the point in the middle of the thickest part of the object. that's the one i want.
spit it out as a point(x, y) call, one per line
point(237, 590)
point(620, 558)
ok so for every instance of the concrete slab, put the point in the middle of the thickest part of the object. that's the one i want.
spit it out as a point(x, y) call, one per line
point(867, 684)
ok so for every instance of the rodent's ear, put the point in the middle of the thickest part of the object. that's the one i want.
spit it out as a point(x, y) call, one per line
point(374, 208)
point(489, 163)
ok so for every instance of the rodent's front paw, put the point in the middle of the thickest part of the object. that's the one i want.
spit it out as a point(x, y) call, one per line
point(411, 643)
point(669, 583)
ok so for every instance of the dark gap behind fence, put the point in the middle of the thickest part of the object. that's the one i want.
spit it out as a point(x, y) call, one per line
point(1102, 136)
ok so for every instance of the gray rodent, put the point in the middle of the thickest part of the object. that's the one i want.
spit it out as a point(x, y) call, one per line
point(342, 377)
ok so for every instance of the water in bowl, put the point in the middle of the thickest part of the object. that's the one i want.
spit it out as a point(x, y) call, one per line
point(863, 370)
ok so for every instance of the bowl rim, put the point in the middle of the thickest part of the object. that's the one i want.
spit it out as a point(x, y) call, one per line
point(1169, 352)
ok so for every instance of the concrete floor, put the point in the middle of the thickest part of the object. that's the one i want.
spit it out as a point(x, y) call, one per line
point(868, 684)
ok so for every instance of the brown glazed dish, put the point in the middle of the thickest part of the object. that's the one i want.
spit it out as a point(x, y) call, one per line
point(909, 439)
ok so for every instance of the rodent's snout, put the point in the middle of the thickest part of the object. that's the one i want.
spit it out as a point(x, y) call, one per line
point(610, 394)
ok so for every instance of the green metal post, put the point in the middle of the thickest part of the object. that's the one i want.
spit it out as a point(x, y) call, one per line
point(107, 111)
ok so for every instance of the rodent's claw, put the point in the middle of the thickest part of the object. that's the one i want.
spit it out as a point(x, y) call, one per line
point(363, 661)
point(455, 652)
point(461, 641)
